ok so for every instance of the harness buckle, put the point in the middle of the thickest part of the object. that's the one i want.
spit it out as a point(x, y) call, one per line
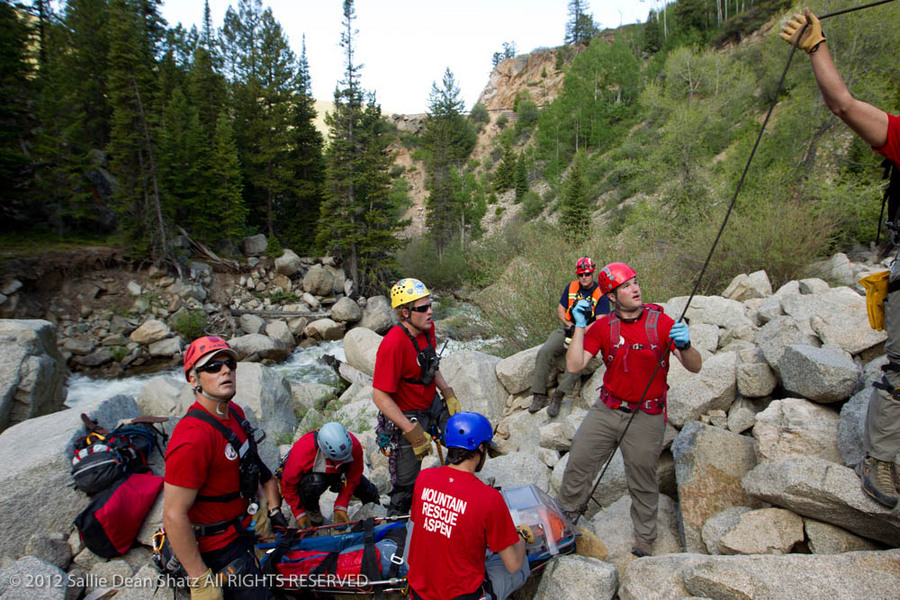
point(397, 560)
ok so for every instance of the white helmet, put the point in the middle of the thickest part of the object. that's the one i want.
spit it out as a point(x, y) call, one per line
point(335, 442)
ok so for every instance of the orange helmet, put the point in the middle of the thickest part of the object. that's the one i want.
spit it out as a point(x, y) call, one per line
point(613, 275)
point(202, 349)
point(584, 265)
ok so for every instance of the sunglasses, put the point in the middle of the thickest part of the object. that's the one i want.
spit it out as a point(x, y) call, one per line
point(421, 309)
point(591, 274)
point(214, 366)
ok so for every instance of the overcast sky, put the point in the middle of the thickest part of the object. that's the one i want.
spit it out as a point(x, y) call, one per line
point(405, 45)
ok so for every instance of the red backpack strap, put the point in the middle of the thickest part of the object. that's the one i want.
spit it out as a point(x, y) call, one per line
point(615, 331)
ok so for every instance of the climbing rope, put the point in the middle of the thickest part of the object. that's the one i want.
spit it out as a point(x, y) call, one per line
point(715, 243)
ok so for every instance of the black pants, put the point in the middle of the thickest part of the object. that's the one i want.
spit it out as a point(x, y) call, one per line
point(313, 485)
point(403, 464)
point(247, 582)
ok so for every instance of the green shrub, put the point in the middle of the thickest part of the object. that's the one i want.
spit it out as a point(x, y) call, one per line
point(420, 259)
point(502, 120)
point(190, 324)
point(479, 114)
point(532, 205)
point(397, 170)
point(499, 210)
point(273, 247)
point(280, 296)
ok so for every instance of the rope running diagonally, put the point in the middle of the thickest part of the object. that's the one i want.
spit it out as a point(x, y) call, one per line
point(712, 249)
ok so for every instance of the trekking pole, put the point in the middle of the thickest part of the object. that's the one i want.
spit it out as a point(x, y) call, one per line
point(712, 249)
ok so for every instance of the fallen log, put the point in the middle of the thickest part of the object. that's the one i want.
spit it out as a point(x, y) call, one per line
point(272, 314)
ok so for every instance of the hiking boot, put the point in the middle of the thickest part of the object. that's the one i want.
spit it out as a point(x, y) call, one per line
point(878, 481)
point(315, 517)
point(538, 401)
point(641, 549)
point(555, 401)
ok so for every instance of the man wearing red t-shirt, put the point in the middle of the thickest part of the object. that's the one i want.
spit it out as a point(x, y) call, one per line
point(634, 341)
point(405, 381)
point(330, 457)
point(205, 509)
point(456, 518)
point(881, 436)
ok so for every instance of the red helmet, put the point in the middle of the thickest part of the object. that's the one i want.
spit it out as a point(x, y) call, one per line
point(202, 347)
point(613, 275)
point(584, 265)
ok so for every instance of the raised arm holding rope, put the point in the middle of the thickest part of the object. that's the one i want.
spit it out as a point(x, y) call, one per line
point(880, 130)
point(635, 343)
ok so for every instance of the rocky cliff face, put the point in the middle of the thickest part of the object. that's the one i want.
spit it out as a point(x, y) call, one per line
point(536, 72)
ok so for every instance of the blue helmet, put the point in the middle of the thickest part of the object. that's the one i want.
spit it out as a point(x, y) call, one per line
point(468, 430)
point(334, 441)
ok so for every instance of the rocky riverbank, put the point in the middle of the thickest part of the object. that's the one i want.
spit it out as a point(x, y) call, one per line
point(759, 496)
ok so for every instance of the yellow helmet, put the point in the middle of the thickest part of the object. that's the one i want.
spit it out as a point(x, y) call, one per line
point(407, 290)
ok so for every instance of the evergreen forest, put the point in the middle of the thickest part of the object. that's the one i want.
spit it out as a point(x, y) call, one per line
point(119, 128)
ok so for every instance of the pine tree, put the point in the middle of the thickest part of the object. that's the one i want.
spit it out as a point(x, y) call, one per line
point(225, 184)
point(133, 44)
point(299, 212)
point(449, 137)
point(580, 28)
point(575, 214)
point(357, 221)
point(521, 178)
point(504, 175)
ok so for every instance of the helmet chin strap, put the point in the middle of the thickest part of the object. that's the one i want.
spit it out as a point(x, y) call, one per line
point(220, 403)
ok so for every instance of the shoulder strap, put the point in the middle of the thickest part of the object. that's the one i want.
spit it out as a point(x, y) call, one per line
point(650, 326)
point(417, 380)
point(615, 331)
point(229, 436)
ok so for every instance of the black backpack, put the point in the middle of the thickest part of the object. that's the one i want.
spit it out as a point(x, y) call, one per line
point(102, 457)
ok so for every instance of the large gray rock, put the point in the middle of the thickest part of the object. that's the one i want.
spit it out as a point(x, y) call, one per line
point(576, 578)
point(851, 425)
point(361, 348)
point(31, 578)
point(823, 375)
point(717, 526)
point(377, 315)
point(823, 490)
point(709, 465)
point(713, 388)
point(160, 397)
point(51, 547)
point(727, 314)
point(251, 324)
point(288, 263)
point(518, 468)
point(755, 378)
point(515, 372)
point(152, 330)
point(166, 348)
point(319, 281)
point(255, 347)
point(278, 329)
point(472, 376)
point(556, 435)
point(36, 475)
point(324, 330)
point(825, 538)
point(611, 488)
point(763, 531)
point(793, 428)
point(744, 287)
point(308, 395)
point(32, 371)
point(657, 577)
point(780, 332)
point(838, 316)
point(614, 527)
point(254, 245)
point(742, 414)
point(346, 310)
point(856, 575)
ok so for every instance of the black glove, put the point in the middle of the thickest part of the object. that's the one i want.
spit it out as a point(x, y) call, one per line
point(276, 518)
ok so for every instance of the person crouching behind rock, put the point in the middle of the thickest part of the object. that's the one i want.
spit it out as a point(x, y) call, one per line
point(327, 458)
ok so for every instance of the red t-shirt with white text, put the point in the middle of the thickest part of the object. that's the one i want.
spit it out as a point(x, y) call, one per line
point(455, 518)
point(395, 360)
point(627, 376)
point(198, 457)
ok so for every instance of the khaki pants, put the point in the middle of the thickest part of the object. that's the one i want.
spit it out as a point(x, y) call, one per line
point(593, 444)
point(547, 357)
point(881, 438)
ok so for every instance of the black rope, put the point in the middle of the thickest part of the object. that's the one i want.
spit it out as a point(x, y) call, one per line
point(715, 243)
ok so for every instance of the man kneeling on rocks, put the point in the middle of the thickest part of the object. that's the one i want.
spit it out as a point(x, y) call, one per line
point(328, 458)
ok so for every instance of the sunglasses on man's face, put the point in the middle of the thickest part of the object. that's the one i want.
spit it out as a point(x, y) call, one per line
point(214, 366)
point(422, 309)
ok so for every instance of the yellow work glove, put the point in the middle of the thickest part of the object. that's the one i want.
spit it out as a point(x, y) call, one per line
point(526, 533)
point(451, 401)
point(812, 35)
point(340, 517)
point(303, 521)
point(420, 441)
point(206, 587)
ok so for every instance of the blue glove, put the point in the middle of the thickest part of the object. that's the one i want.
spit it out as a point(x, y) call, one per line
point(581, 312)
point(681, 335)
